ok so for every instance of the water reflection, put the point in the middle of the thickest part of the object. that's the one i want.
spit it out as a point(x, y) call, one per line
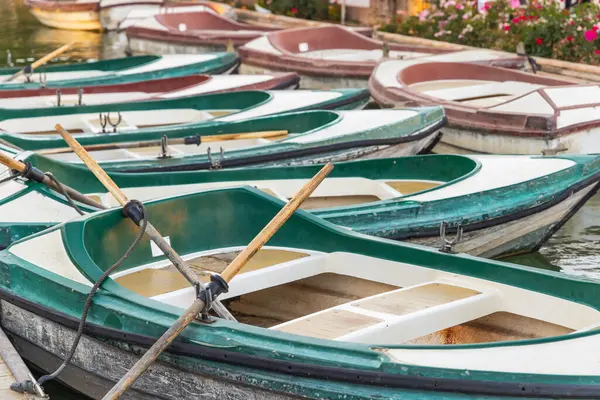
point(574, 249)
point(28, 40)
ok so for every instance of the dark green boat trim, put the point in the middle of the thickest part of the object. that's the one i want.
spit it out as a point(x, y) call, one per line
point(316, 371)
point(289, 154)
point(224, 62)
point(518, 214)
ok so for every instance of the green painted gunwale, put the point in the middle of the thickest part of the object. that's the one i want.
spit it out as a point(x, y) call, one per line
point(241, 100)
point(241, 214)
point(222, 62)
point(398, 218)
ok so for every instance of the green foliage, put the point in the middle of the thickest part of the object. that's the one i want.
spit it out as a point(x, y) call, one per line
point(320, 10)
point(544, 27)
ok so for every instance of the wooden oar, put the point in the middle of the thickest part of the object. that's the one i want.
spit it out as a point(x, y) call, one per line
point(151, 231)
point(232, 269)
point(42, 61)
point(40, 177)
point(190, 140)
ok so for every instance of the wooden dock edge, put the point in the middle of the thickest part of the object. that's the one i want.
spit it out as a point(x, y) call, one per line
point(11, 360)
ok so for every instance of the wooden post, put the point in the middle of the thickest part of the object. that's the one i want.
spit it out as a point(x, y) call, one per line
point(152, 233)
point(232, 269)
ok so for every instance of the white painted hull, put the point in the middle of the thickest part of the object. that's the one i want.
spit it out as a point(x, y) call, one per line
point(81, 21)
point(461, 141)
point(310, 81)
point(519, 236)
point(144, 46)
point(112, 17)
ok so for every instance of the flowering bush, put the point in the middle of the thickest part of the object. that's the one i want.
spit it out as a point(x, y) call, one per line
point(308, 9)
point(544, 27)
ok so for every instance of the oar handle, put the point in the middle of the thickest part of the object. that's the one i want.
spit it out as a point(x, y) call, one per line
point(12, 163)
point(102, 176)
point(51, 55)
point(269, 230)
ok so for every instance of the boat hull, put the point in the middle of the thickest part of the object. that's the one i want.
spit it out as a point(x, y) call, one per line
point(138, 45)
point(518, 236)
point(71, 20)
point(310, 81)
point(44, 342)
point(459, 140)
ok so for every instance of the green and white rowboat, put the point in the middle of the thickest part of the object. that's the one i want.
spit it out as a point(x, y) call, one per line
point(505, 204)
point(314, 136)
point(34, 128)
point(323, 312)
point(121, 70)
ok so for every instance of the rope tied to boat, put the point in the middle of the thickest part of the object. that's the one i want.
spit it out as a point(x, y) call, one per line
point(136, 209)
point(62, 189)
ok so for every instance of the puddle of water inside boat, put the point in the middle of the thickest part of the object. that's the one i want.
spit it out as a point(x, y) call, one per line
point(572, 250)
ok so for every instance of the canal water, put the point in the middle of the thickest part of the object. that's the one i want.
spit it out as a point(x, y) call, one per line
point(573, 250)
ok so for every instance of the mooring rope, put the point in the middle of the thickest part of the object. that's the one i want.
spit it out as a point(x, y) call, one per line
point(88, 300)
point(62, 189)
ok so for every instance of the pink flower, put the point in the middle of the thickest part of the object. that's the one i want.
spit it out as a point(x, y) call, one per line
point(569, 38)
point(294, 10)
point(486, 6)
point(572, 22)
point(590, 35)
point(539, 41)
point(516, 20)
point(507, 28)
point(597, 52)
point(423, 15)
point(459, 6)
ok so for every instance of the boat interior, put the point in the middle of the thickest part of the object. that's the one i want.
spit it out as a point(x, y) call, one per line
point(476, 85)
point(126, 66)
point(311, 279)
point(336, 43)
point(206, 21)
point(18, 99)
point(333, 192)
point(110, 122)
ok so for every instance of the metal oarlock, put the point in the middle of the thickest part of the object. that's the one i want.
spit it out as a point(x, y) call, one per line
point(58, 95)
point(164, 148)
point(447, 244)
point(43, 80)
point(216, 164)
point(80, 96)
point(106, 120)
point(9, 61)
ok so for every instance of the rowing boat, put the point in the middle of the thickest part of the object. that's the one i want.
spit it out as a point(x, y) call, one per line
point(119, 14)
point(494, 110)
point(150, 119)
point(120, 70)
point(66, 14)
point(190, 33)
point(504, 204)
point(154, 89)
point(308, 138)
point(322, 312)
point(334, 56)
